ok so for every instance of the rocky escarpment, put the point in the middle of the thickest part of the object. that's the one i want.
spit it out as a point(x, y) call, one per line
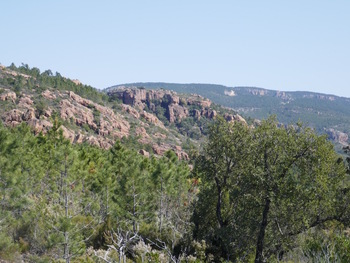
point(338, 136)
point(175, 108)
point(87, 121)
point(75, 111)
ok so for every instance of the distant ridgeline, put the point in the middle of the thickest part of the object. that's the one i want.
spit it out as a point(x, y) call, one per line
point(326, 113)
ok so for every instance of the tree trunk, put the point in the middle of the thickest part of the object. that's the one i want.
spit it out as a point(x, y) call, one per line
point(107, 207)
point(260, 244)
point(218, 204)
point(161, 205)
point(66, 202)
point(133, 208)
point(66, 247)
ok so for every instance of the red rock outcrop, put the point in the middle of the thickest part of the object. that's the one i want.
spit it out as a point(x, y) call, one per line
point(25, 102)
point(48, 95)
point(68, 134)
point(78, 114)
point(182, 155)
point(12, 117)
point(161, 148)
point(209, 113)
point(177, 112)
point(29, 115)
point(133, 112)
point(40, 125)
point(159, 135)
point(199, 101)
point(233, 118)
point(8, 95)
point(149, 117)
point(338, 136)
point(174, 106)
point(141, 131)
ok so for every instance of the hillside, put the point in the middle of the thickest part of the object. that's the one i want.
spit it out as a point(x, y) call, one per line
point(150, 121)
point(326, 113)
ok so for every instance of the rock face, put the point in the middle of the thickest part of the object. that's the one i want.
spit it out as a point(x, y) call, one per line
point(230, 93)
point(29, 115)
point(319, 97)
point(233, 118)
point(131, 110)
point(141, 131)
point(25, 102)
point(99, 118)
point(258, 92)
point(40, 125)
point(338, 136)
point(48, 95)
point(209, 113)
point(135, 97)
point(149, 117)
point(176, 108)
point(177, 112)
point(12, 117)
point(282, 95)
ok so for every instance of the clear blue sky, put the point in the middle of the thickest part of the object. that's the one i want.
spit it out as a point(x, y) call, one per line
point(282, 45)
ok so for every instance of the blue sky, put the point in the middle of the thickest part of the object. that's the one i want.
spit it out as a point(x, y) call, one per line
point(282, 45)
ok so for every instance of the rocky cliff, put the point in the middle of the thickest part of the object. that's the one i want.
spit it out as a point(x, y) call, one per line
point(175, 108)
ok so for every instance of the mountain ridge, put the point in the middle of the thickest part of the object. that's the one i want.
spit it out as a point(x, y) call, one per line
point(326, 113)
point(190, 84)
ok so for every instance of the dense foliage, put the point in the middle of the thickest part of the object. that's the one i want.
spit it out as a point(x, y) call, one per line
point(76, 202)
point(270, 193)
point(265, 188)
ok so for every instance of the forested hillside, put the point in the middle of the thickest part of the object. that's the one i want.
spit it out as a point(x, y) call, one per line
point(136, 175)
point(268, 193)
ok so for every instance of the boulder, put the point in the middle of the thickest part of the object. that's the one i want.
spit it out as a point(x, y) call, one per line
point(29, 115)
point(11, 116)
point(40, 125)
point(144, 153)
point(8, 95)
point(161, 148)
point(25, 102)
point(48, 95)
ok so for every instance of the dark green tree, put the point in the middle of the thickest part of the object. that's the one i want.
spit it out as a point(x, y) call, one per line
point(272, 182)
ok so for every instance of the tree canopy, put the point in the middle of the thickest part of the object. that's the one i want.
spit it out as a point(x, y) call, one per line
point(266, 194)
point(265, 186)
